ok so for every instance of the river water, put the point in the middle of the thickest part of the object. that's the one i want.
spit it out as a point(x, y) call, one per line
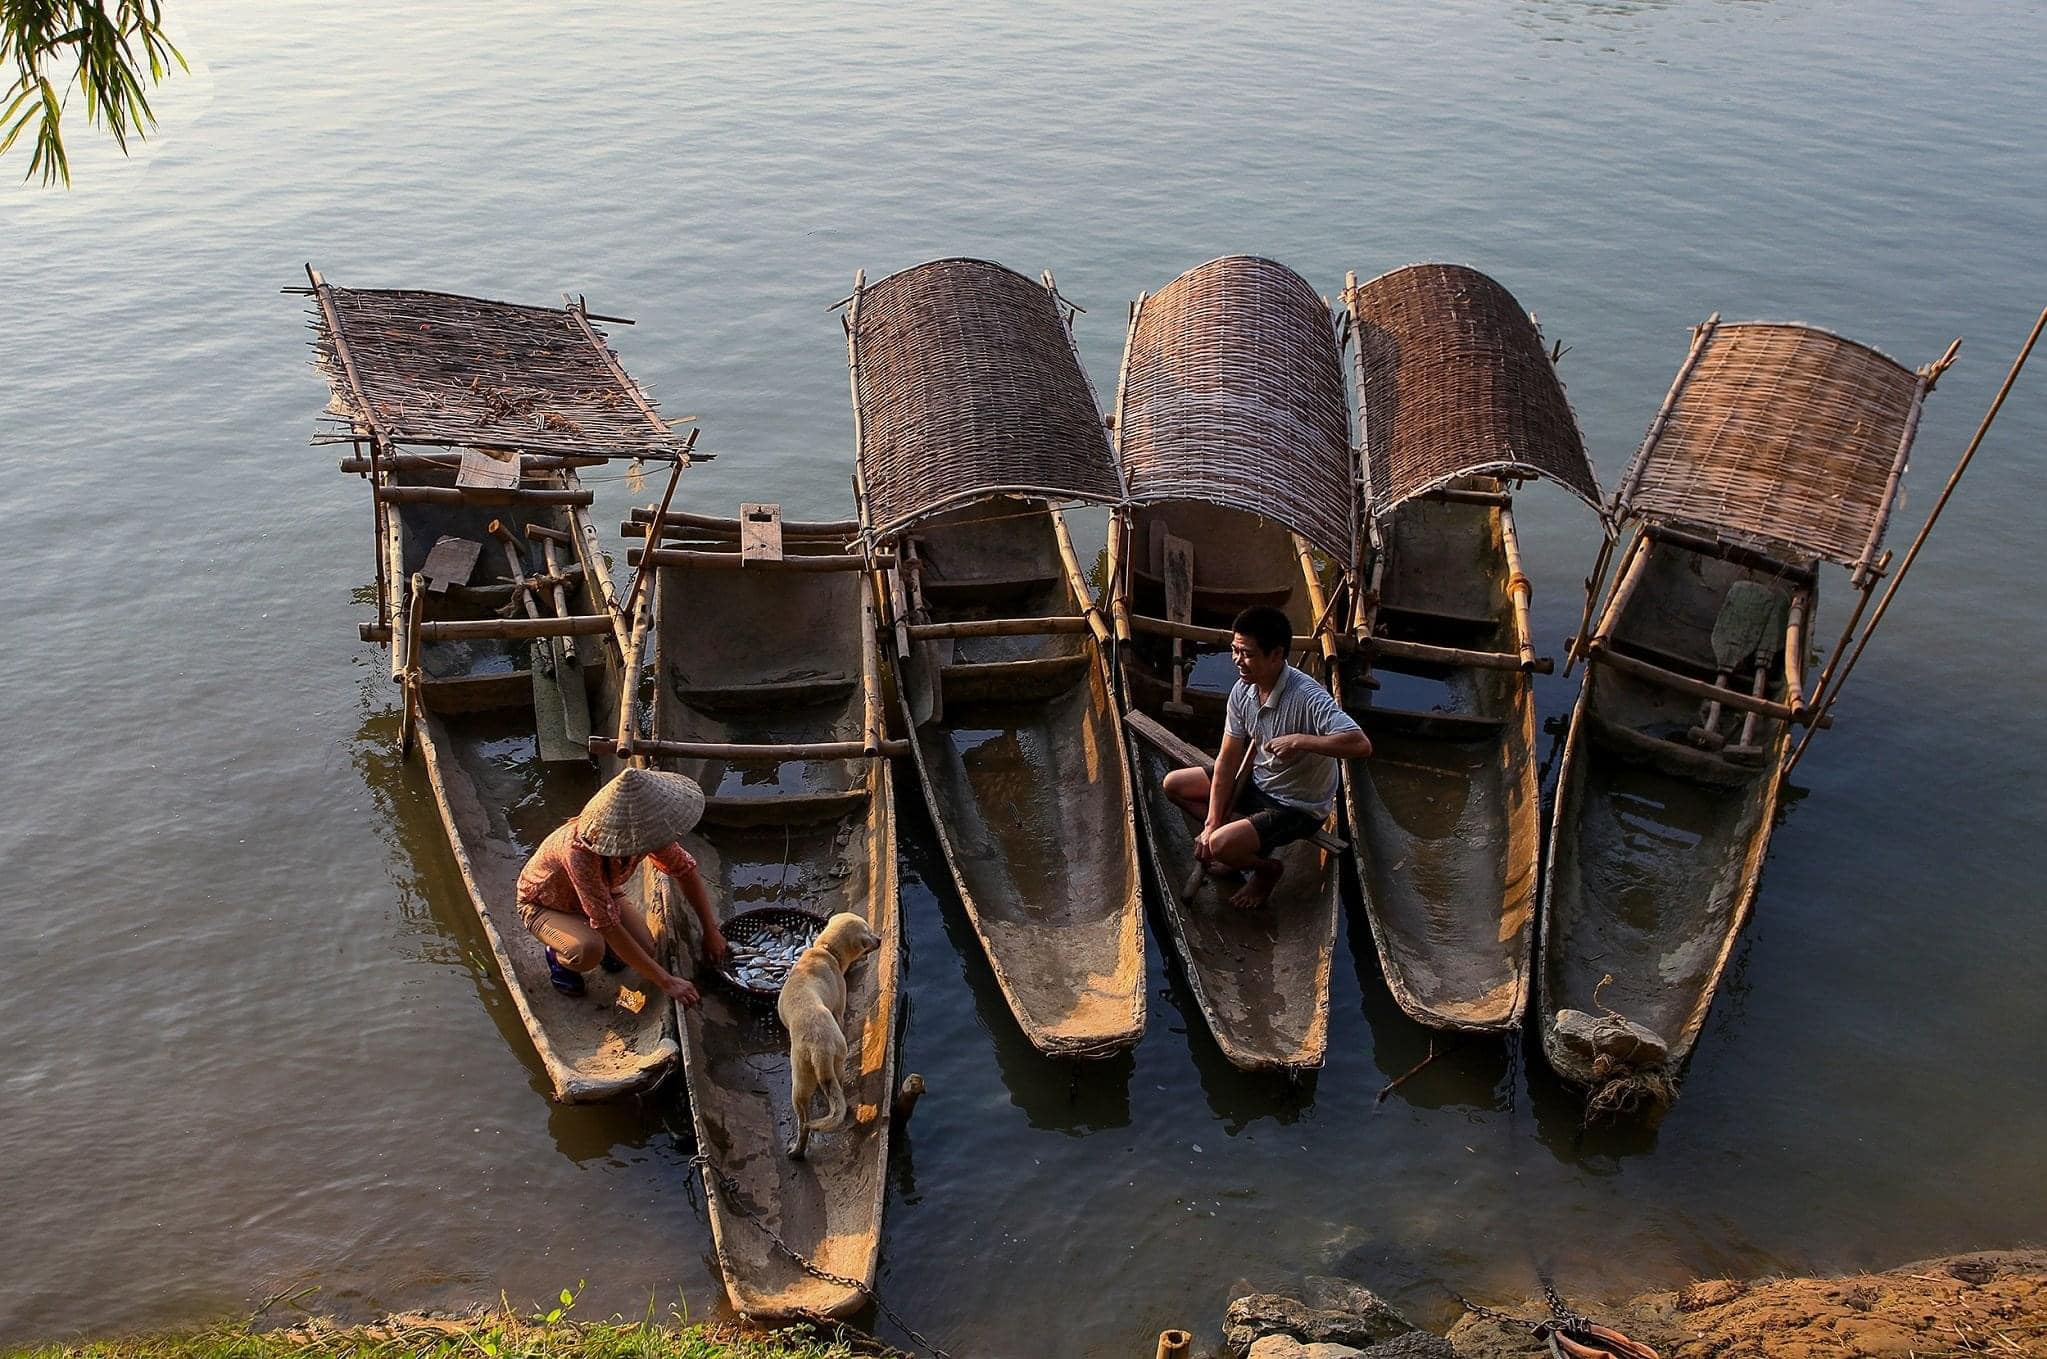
point(252, 1044)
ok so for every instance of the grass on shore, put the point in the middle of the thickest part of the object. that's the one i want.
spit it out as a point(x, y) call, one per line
point(494, 1335)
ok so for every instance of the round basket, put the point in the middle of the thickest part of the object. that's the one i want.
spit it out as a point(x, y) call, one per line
point(752, 927)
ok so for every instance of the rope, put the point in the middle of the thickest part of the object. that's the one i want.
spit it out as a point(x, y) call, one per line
point(727, 1190)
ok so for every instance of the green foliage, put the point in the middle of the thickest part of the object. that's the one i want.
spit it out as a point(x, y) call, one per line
point(111, 51)
point(545, 1334)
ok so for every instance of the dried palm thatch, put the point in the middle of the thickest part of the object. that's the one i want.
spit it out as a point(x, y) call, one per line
point(1455, 382)
point(1781, 434)
point(440, 369)
point(1233, 393)
point(966, 385)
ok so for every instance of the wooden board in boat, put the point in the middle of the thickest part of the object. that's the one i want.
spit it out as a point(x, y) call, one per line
point(1024, 776)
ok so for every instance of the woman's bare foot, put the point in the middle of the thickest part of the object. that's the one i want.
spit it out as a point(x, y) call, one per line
point(1265, 875)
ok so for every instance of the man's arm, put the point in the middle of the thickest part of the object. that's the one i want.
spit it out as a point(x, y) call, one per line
point(1222, 785)
point(1342, 745)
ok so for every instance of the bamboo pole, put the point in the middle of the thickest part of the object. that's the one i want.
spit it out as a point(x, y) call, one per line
point(414, 615)
point(1592, 584)
point(495, 496)
point(377, 443)
point(1077, 580)
point(1604, 654)
point(1825, 701)
point(732, 561)
point(1641, 459)
point(642, 517)
point(873, 724)
point(1195, 632)
point(1794, 652)
point(529, 463)
point(1518, 590)
point(1433, 654)
point(515, 560)
point(639, 610)
point(1119, 597)
point(762, 752)
point(498, 629)
point(1001, 627)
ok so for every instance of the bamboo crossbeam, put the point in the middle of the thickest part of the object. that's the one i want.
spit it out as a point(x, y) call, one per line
point(1732, 552)
point(762, 752)
point(464, 495)
point(529, 463)
point(497, 629)
point(1000, 627)
point(1603, 654)
point(632, 389)
point(1456, 495)
point(678, 522)
point(732, 561)
point(1432, 654)
point(1194, 632)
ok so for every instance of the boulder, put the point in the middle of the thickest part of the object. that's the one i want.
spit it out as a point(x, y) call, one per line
point(1362, 1321)
point(1286, 1347)
point(1413, 1345)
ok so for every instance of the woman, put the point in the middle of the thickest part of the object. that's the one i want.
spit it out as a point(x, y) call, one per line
point(570, 894)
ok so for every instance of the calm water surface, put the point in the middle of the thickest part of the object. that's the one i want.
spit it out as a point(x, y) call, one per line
point(252, 1042)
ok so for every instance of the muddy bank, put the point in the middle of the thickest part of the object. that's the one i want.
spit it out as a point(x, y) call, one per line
point(1983, 1303)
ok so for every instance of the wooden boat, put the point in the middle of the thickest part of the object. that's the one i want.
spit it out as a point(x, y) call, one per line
point(766, 692)
point(1231, 432)
point(973, 418)
point(1778, 447)
point(501, 706)
point(1456, 398)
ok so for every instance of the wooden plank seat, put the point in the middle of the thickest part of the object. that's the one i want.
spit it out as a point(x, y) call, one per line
point(784, 809)
point(1671, 757)
point(1405, 620)
point(1037, 678)
point(1438, 725)
point(942, 590)
point(766, 695)
point(476, 693)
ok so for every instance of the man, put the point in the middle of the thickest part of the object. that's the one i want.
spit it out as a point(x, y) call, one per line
point(571, 895)
point(1294, 732)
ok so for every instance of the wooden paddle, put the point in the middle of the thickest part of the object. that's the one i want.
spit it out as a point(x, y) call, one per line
point(1243, 781)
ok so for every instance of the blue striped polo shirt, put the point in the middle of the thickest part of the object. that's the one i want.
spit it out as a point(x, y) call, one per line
point(1298, 707)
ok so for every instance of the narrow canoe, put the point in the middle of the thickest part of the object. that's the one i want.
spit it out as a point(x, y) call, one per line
point(1657, 846)
point(498, 798)
point(1016, 746)
point(1260, 977)
point(1445, 816)
point(777, 656)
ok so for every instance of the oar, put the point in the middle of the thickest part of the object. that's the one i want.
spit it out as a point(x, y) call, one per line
point(1243, 781)
point(1737, 633)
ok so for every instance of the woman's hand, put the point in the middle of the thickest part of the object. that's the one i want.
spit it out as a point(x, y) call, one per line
point(715, 947)
point(680, 991)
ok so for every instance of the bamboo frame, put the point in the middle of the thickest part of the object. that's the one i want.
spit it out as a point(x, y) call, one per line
point(1077, 579)
point(1001, 627)
point(1602, 653)
point(732, 561)
point(497, 629)
point(468, 495)
point(378, 443)
point(1519, 591)
point(763, 753)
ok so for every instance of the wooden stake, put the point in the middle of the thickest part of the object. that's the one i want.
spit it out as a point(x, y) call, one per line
point(414, 614)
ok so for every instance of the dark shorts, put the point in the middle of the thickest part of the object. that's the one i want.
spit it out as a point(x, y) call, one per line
point(1277, 823)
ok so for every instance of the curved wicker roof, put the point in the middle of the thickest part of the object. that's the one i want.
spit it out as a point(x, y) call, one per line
point(1233, 393)
point(1454, 381)
point(966, 385)
point(439, 368)
point(1780, 433)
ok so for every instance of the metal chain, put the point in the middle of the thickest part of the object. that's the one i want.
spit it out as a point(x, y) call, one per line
point(727, 1189)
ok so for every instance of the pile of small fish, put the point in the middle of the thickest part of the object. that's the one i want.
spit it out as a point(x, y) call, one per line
point(763, 953)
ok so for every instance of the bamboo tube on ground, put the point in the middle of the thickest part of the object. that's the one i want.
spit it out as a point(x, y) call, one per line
point(1175, 1344)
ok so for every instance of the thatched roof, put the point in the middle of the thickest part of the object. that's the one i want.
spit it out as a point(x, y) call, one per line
point(1454, 381)
point(1233, 393)
point(966, 385)
point(1782, 434)
point(439, 369)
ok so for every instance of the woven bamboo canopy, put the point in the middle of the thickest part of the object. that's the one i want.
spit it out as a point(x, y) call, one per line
point(435, 368)
point(1781, 434)
point(1233, 393)
point(1455, 382)
point(966, 386)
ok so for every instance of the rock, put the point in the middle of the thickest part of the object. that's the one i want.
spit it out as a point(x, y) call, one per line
point(1624, 1043)
point(1252, 1318)
point(1286, 1347)
point(1972, 1271)
point(1709, 1293)
point(1413, 1345)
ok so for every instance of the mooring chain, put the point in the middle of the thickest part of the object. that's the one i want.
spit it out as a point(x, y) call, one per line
point(728, 1193)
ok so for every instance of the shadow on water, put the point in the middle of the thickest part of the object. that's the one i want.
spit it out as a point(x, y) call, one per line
point(434, 903)
point(1055, 1095)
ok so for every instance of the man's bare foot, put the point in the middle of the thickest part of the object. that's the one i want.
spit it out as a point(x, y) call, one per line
point(1264, 877)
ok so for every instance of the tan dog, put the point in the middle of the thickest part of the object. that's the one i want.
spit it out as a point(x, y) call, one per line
point(812, 1007)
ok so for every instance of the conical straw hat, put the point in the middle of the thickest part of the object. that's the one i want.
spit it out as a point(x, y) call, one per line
point(639, 811)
